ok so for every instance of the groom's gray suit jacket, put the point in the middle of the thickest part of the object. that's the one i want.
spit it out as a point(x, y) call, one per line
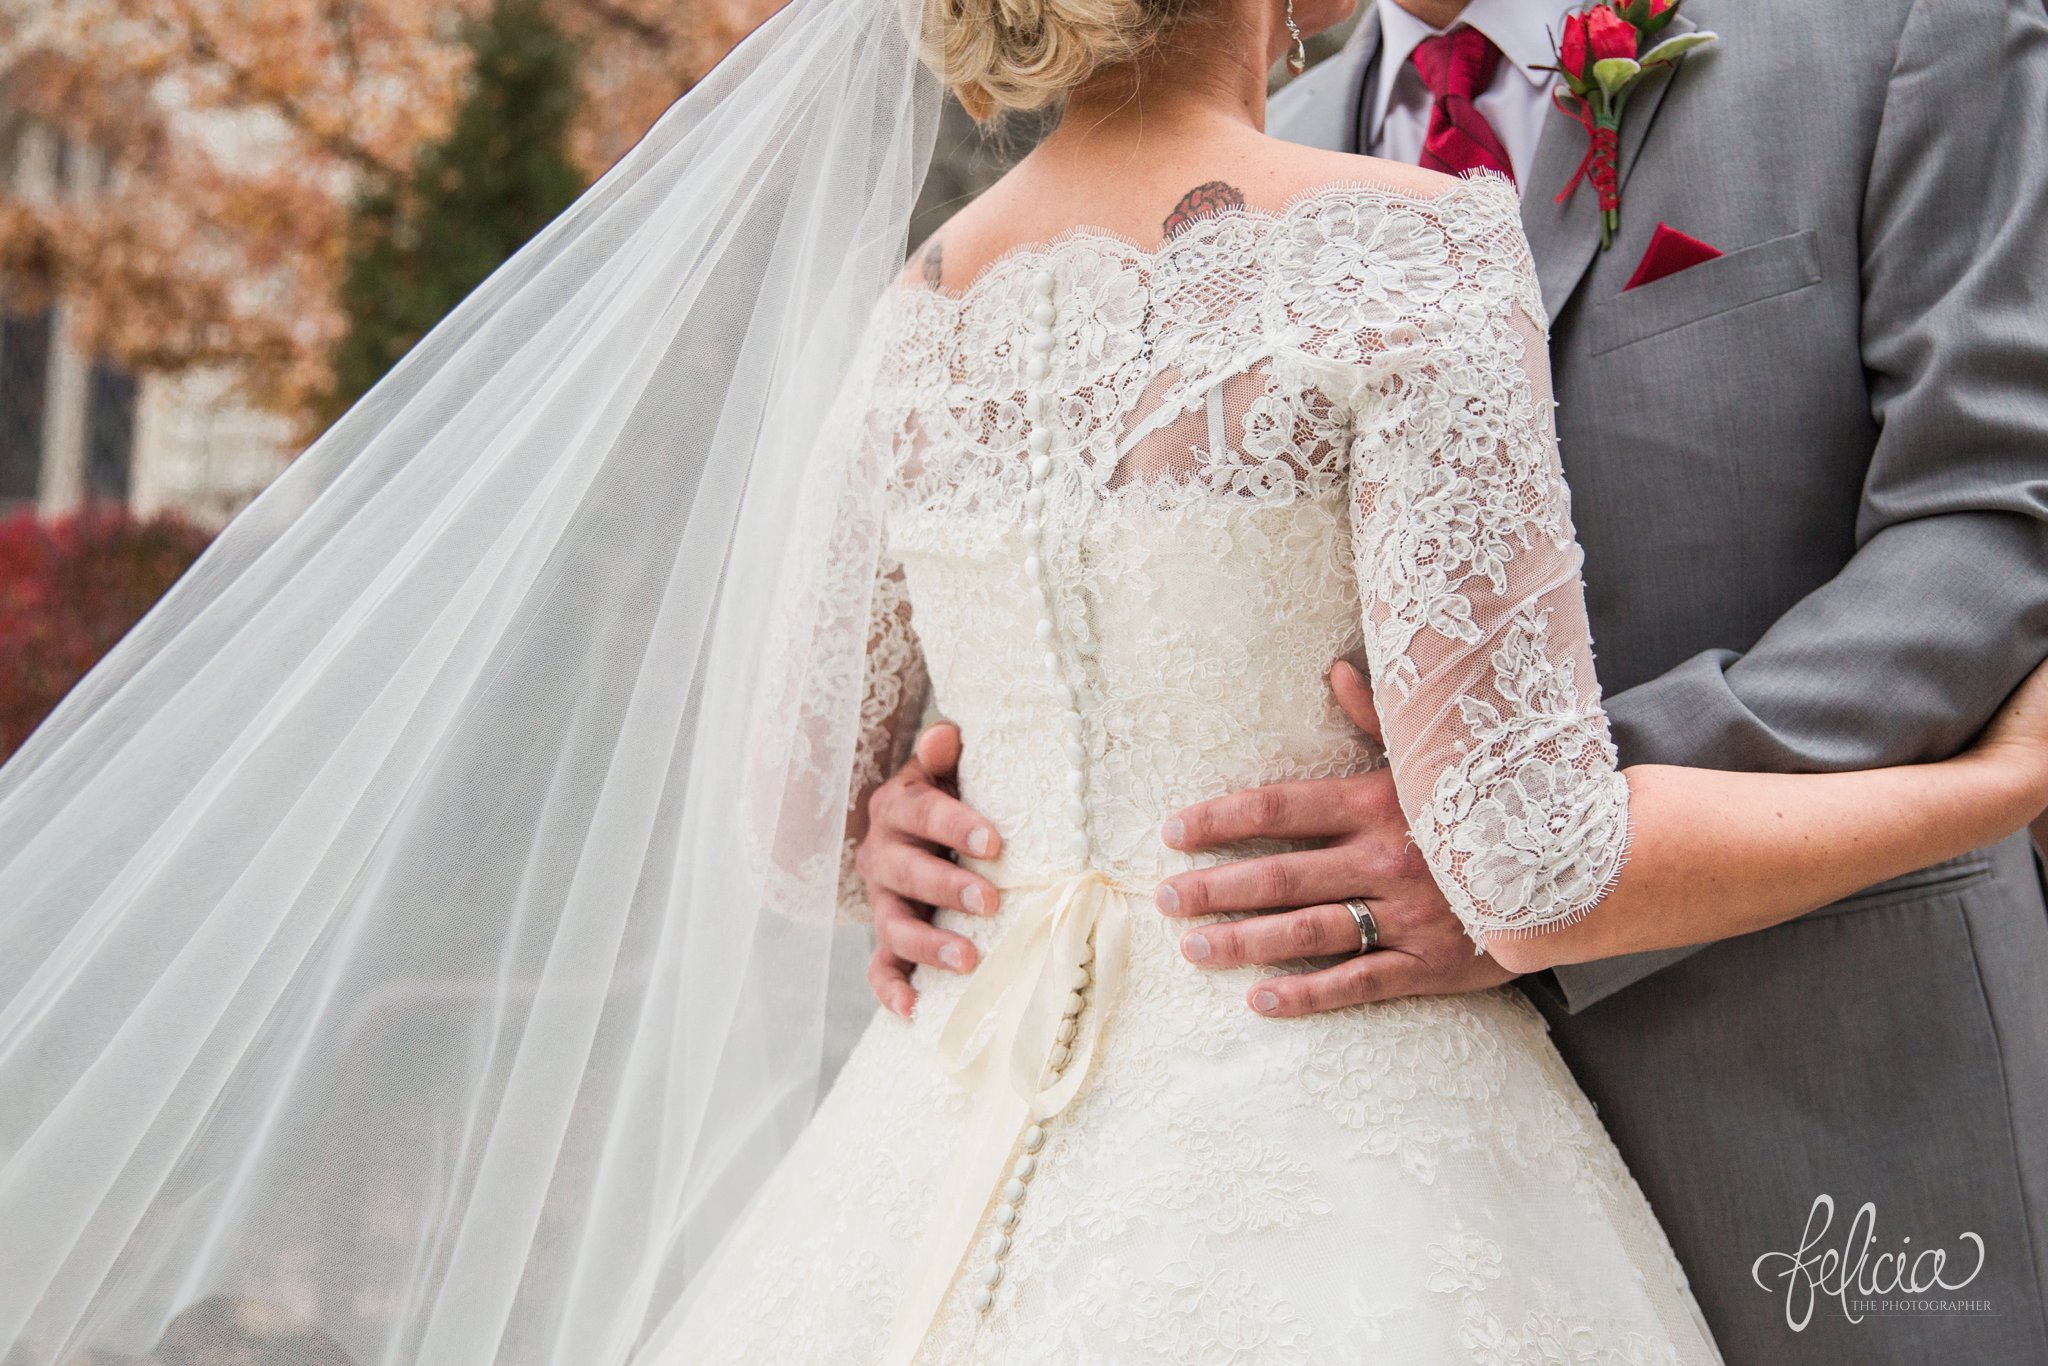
point(1811, 478)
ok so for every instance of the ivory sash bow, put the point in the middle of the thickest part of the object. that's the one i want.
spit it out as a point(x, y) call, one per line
point(998, 1045)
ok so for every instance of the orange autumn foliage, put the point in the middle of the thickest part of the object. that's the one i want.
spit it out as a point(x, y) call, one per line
point(232, 135)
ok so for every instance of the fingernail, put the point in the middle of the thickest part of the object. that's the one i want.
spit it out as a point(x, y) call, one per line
point(1167, 899)
point(950, 956)
point(970, 900)
point(1196, 947)
point(978, 842)
point(1174, 832)
point(1265, 1002)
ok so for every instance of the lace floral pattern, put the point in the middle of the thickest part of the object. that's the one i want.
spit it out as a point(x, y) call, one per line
point(1228, 401)
point(1418, 1181)
point(895, 687)
point(1281, 438)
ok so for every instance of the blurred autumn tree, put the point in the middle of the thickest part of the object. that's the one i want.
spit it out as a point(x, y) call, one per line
point(417, 248)
point(237, 134)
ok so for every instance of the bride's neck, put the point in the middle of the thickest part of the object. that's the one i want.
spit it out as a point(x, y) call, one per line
point(1202, 75)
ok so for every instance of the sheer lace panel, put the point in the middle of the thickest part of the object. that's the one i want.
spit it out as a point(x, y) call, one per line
point(888, 719)
point(1476, 628)
point(845, 678)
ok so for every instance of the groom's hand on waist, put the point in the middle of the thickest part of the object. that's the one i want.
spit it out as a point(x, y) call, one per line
point(915, 824)
point(1366, 853)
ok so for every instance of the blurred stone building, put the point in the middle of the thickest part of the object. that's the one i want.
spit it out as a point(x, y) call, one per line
point(75, 428)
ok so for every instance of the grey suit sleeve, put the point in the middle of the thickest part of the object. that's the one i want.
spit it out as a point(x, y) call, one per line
point(1943, 609)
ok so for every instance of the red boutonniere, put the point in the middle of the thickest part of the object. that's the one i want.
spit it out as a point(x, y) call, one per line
point(1607, 47)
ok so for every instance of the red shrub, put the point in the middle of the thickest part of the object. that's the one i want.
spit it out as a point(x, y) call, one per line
point(69, 589)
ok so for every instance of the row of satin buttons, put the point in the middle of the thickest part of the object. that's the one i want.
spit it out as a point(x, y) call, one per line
point(1037, 410)
point(1010, 1199)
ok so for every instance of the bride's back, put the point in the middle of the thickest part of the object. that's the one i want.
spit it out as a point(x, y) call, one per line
point(1123, 475)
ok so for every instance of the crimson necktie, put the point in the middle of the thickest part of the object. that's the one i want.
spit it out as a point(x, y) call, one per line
point(1456, 67)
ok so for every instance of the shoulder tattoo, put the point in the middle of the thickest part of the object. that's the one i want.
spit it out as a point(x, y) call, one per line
point(1204, 201)
point(933, 263)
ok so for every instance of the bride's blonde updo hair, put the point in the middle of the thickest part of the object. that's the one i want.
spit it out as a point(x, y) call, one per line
point(1005, 56)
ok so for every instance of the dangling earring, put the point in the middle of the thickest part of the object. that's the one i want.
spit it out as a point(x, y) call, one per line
point(1297, 60)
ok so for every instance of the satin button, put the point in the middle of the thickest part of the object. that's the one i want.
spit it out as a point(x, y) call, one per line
point(1001, 1246)
point(1034, 1137)
point(1068, 1028)
point(1077, 780)
point(1075, 754)
point(1044, 314)
point(1072, 1005)
point(1044, 630)
point(1040, 467)
point(1060, 1054)
point(1039, 342)
point(1006, 1215)
point(1013, 1191)
point(1037, 369)
point(1026, 1168)
point(1042, 281)
point(1040, 441)
point(1034, 499)
point(983, 1300)
point(1080, 980)
point(1033, 568)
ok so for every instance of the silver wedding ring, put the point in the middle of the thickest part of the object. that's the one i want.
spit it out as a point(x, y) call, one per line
point(1368, 928)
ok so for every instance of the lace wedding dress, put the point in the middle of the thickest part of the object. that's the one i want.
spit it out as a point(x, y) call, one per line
point(1138, 501)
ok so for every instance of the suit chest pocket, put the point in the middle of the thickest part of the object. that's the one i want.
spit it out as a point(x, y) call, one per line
point(1782, 265)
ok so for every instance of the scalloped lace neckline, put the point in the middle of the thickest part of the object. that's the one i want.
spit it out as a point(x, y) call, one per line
point(1011, 260)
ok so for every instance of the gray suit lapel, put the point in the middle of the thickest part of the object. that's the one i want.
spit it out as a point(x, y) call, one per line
point(1565, 237)
point(1367, 41)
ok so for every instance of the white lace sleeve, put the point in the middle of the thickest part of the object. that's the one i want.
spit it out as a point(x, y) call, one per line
point(1475, 614)
point(842, 678)
point(890, 704)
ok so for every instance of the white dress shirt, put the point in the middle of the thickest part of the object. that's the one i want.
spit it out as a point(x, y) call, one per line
point(1516, 103)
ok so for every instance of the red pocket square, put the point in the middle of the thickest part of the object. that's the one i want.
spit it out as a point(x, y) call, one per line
point(1670, 251)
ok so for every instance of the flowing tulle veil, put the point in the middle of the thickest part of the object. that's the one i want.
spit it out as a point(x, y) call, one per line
point(417, 935)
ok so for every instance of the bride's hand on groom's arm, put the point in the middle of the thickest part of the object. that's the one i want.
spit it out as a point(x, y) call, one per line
point(1366, 854)
point(913, 821)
